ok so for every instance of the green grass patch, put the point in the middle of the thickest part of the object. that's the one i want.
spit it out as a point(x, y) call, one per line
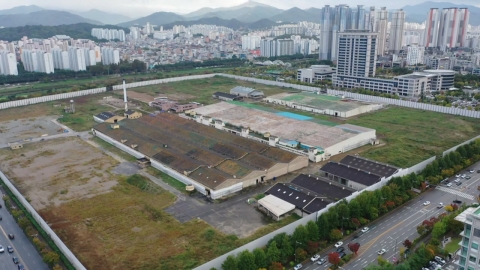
point(453, 245)
point(412, 136)
point(139, 181)
point(167, 179)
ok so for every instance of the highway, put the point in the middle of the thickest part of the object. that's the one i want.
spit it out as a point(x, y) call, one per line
point(392, 230)
point(23, 248)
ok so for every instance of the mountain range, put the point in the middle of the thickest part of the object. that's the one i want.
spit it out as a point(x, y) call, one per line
point(250, 14)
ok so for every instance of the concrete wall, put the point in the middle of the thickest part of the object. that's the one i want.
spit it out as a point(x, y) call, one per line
point(351, 143)
point(159, 81)
point(455, 147)
point(63, 248)
point(30, 101)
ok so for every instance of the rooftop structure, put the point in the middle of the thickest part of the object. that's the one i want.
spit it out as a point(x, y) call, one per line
point(276, 206)
point(366, 165)
point(323, 104)
point(212, 159)
point(246, 92)
point(308, 184)
point(327, 139)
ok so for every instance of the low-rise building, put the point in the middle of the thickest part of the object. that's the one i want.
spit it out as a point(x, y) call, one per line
point(131, 114)
point(315, 73)
point(225, 96)
point(242, 91)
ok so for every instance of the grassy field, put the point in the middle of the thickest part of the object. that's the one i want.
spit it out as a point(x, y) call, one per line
point(167, 179)
point(53, 87)
point(201, 90)
point(128, 229)
point(453, 245)
point(412, 136)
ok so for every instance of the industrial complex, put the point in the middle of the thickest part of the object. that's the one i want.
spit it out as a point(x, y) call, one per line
point(323, 104)
point(288, 131)
point(215, 162)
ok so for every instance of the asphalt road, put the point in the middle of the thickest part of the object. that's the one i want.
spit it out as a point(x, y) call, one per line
point(391, 231)
point(23, 248)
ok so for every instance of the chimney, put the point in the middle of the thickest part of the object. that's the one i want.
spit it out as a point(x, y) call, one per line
point(125, 95)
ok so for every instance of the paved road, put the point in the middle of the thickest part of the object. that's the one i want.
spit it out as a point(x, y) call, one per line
point(23, 248)
point(390, 232)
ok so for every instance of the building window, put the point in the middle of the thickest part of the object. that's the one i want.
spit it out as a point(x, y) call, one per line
point(472, 259)
point(462, 261)
point(465, 241)
point(475, 246)
point(471, 268)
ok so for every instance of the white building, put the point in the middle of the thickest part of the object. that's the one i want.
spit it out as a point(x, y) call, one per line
point(415, 54)
point(60, 59)
point(108, 34)
point(29, 60)
point(45, 62)
point(250, 42)
point(315, 73)
point(469, 251)
point(76, 57)
point(162, 35)
point(90, 59)
point(381, 23)
point(134, 33)
point(110, 56)
point(357, 53)
point(268, 48)
point(285, 47)
point(8, 63)
point(396, 31)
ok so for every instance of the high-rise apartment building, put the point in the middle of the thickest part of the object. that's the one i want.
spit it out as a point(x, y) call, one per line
point(396, 31)
point(285, 47)
point(45, 62)
point(8, 63)
point(469, 251)
point(250, 42)
point(415, 54)
point(446, 28)
point(110, 56)
point(29, 60)
point(381, 25)
point(76, 57)
point(60, 59)
point(90, 59)
point(357, 53)
point(37, 61)
point(268, 48)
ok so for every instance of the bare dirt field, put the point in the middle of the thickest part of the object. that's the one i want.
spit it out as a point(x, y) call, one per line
point(117, 103)
point(52, 172)
point(23, 129)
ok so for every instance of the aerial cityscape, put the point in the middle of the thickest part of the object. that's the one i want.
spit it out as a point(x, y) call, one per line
point(240, 135)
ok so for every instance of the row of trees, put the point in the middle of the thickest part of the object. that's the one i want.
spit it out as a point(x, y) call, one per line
point(346, 217)
point(234, 62)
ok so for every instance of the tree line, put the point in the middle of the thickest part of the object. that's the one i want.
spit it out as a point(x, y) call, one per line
point(347, 217)
point(234, 62)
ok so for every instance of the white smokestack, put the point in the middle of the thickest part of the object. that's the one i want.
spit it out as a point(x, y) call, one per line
point(125, 95)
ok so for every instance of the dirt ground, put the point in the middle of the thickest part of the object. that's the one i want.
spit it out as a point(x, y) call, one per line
point(117, 103)
point(23, 129)
point(146, 97)
point(52, 172)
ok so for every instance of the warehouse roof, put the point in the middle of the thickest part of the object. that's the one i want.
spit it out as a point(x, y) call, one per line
point(276, 205)
point(225, 95)
point(105, 115)
point(366, 165)
point(350, 173)
point(316, 205)
point(297, 198)
point(321, 187)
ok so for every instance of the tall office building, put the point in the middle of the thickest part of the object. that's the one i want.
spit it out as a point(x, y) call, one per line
point(268, 48)
point(357, 53)
point(8, 63)
point(60, 59)
point(453, 27)
point(381, 24)
point(415, 54)
point(76, 57)
point(396, 31)
point(284, 47)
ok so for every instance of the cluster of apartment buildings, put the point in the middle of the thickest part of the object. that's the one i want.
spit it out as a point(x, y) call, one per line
point(108, 34)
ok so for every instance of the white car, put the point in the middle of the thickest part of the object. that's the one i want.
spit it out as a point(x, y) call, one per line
point(2, 249)
point(315, 258)
point(365, 229)
point(426, 203)
point(449, 184)
point(440, 260)
point(464, 175)
point(458, 175)
point(440, 205)
point(457, 180)
point(471, 171)
point(321, 261)
point(298, 266)
point(338, 244)
point(382, 251)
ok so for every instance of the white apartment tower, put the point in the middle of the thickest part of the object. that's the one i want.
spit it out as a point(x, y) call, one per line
point(381, 24)
point(110, 56)
point(90, 59)
point(415, 54)
point(76, 57)
point(357, 53)
point(285, 47)
point(45, 62)
point(268, 48)
point(29, 60)
point(8, 63)
point(432, 28)
point(60, 59)
point(396, 31)
point(453, 27)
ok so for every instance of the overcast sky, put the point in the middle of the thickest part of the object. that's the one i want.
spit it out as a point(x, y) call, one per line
point(137, 8)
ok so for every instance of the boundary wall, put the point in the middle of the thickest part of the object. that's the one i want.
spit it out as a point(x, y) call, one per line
point(65, 250)
point(455, 147)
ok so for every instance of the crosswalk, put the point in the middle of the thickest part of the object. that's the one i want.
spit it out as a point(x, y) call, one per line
point(456, 192)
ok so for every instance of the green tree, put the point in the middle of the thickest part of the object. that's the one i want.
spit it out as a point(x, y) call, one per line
point(51, 257)
point(323, 227)
point(273, 253)
point(300, 235)
point(312, 230)
point(336, 235)
point(260, 258)
point(285, 247)
point(300, 254)
point(246, 261)
point(439, 229)
point(230, 263)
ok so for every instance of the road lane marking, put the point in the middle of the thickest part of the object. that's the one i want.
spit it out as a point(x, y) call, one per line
point(11, 244)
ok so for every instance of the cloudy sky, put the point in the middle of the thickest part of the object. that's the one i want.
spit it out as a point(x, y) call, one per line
point(137, 8)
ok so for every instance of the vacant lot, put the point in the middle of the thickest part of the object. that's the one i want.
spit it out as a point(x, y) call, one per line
point(198, 90)
point(52, 172)
point(24, 129)
point(413, 135)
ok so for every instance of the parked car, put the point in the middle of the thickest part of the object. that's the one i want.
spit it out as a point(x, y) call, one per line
point(341, 254)
point(321, 261)
point(440, 260)
point(315, 258)
point(382, 251)
point(458, 175)
point(471, 171)
point(338, 244)
point(457, 180)
point(468, 177)
point(464, 175)
point(11, 236)
point(340, 249)
point(457, 201)
point(298, 266)
point(2, 249)
point(478, 171)
point(449, 184)
point(365, 229)
point(426, 203)
point(21, 267)
point(459, 183)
